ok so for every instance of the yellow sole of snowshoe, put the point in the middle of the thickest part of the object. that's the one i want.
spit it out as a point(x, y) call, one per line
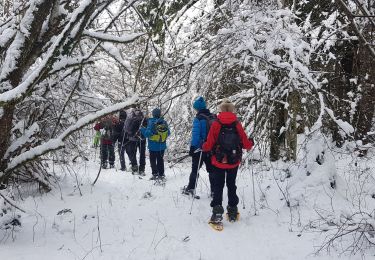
point(216, 226)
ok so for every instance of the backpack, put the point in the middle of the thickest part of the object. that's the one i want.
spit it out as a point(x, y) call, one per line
point(135, 122)
point(228, 147)
point(122, 115)
point(107, 124)
point(161, 132)
point(209, 121)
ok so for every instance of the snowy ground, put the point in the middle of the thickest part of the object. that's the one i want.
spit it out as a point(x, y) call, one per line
point(125, 217)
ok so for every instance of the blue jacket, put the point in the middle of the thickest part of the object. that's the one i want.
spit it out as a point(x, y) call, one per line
point(199, 131)
point(149, 131)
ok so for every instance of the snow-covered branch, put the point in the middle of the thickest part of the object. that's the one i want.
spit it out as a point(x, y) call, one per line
point(355, 27)
point(105, 37)
point(58, 142)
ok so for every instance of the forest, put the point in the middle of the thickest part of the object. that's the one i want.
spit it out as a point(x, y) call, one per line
point(301, 74)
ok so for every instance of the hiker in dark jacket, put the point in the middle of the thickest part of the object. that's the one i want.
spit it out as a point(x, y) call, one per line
point(226, 158)
point(120, 137)
point(156, 132)
point(136, 141)
point(107, 151)
point(198, 137)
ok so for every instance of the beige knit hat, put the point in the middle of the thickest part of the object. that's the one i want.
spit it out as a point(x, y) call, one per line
point(226, 106)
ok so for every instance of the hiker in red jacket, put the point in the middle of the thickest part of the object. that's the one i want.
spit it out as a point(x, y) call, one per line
point(226, 139)
point(107, 150)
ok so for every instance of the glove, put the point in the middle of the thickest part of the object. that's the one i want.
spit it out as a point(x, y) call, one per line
point(192, 150)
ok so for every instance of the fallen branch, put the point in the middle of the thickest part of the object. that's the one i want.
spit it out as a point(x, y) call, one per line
point(11, 202)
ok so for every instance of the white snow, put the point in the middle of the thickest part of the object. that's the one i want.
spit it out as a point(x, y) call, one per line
point(126, 217)
point(113, 51)
point(13, 52)
point(25, 138)
point(58, 142)
point(135, 225)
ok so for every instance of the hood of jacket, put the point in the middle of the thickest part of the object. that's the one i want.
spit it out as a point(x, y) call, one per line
point(227, 118)
point(204, 111)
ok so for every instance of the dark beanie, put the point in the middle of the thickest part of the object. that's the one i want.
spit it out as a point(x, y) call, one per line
point(156, 112)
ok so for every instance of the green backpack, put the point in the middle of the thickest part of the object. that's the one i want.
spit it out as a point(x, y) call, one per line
point(97, 138)
point(161, 132)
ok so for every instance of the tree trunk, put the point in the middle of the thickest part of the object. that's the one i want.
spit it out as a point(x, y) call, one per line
point(5, 134)
point(277, 139)
point(291, 132)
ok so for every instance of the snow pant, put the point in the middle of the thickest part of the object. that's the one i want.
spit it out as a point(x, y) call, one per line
point(157, 163)
point(107, 153)
point(131, 150)
point(220, 176)
point(121, 153)
point(206, 159)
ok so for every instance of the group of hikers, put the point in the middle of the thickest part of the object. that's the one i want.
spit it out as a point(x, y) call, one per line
point(216, 140)
point(130, 131)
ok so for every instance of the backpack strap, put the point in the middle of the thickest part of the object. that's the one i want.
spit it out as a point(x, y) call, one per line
point(234, 124)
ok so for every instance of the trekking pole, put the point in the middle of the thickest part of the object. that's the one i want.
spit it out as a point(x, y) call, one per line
point(196, 178)
point(122, 144)
point(97, 176)
point(252, 178)
point(140, 141)
point(178, 160)
point(140, 153)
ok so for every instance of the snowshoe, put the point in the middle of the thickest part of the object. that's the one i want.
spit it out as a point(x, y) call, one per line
point(189, 192)
point(160, 180)
point(153, 178)
point(217, 218)
point(218, 226)
point(141, 170)
point(134, 170)
point(232, 214)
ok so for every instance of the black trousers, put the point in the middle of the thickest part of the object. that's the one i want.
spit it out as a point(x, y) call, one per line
point(121, 153)
point(131, 150)
point(220, 176)
point(157, 163)
point(206, 159)
point(107, 152)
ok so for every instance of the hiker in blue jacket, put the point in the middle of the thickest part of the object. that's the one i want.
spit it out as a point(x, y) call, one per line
point(198, 137)
point(157, 132)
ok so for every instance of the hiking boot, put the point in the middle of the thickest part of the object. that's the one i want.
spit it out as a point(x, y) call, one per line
point(123, 169)
point(162, 178)
point(141, 170)
point(111, 166)
point(232, 213)
point(104, 166)
point(134, 169)
point(217, 214)
point(153, 178)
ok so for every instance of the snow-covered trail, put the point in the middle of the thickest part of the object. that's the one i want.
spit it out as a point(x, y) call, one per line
point(125, 217)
